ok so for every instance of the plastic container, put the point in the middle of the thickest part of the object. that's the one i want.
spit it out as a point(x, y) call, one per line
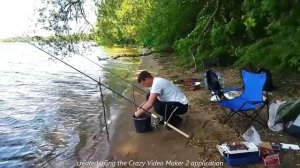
point(240, 157)
point(142, 124)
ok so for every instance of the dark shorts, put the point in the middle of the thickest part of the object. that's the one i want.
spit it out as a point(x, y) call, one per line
point(165, 109)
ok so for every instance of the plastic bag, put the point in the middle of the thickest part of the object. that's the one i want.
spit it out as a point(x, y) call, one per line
point(272, 116)
point(251, 135)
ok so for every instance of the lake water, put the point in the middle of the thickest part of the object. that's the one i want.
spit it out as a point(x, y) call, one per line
point(48, 110)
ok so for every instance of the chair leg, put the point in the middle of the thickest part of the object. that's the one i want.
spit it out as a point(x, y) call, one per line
point(231, 113)
point(264, 121)
point(263, 124)
point(253, 118)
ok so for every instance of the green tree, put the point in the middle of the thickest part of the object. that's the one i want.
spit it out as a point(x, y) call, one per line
point(261, 32)
point(118, 21)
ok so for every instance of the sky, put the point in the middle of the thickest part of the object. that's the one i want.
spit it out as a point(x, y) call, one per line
point(16, 17)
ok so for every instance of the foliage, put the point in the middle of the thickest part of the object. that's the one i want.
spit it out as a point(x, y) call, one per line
point(118, 21)
point(168, 21)
point(66, 26)
point(275, 36)
point(261, 32)
point(280, 51)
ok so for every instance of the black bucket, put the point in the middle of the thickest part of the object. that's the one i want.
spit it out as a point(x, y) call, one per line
point(142, 124)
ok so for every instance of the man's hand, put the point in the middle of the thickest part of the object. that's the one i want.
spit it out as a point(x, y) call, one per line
point(141, 105)
point(138, 113)
point(146, 105)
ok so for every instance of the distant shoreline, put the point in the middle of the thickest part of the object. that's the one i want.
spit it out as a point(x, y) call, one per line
point(13, 39)
point(74, 38)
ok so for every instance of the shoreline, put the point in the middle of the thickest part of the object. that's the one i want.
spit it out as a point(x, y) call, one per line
point(204, 119)
point(165, 149)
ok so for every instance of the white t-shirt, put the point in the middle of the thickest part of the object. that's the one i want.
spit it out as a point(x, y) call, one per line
point(168, 92)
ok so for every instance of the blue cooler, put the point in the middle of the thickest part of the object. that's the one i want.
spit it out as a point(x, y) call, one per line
point(234, 157)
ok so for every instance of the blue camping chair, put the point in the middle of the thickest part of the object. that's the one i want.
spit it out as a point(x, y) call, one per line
point(250, 100)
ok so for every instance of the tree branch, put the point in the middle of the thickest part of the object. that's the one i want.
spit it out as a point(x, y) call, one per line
point(201, 34)
point(137, 55)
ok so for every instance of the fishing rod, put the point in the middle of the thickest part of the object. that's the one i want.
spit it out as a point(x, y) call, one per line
point(104, 110)
point(134, 86)
point(101, 84)
point(98, 82)
point(114, 74)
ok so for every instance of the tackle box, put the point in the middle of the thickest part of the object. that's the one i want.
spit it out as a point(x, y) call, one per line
point(249, 154)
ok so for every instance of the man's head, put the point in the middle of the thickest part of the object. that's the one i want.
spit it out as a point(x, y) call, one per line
point(145, 78)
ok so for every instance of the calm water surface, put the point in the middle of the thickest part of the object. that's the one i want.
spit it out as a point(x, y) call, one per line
point(48, 110)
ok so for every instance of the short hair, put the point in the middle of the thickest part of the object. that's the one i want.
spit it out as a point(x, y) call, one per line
point(143, 75)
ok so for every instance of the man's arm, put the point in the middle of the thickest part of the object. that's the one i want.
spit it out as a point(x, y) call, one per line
point(138, 108)
point(149, 103)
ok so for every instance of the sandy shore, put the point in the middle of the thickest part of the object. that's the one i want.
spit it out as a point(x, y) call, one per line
point(167, 148)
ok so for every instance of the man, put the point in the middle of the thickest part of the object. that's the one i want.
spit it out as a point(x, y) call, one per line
point(164, 96)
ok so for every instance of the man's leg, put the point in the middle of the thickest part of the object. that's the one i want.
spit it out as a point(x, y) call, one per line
point(160, 108)
point(182, 108)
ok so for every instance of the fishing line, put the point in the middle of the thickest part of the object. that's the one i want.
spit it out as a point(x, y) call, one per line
point(98, 82)
point(101, 84)
point(133, 86)
point(113, 73)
